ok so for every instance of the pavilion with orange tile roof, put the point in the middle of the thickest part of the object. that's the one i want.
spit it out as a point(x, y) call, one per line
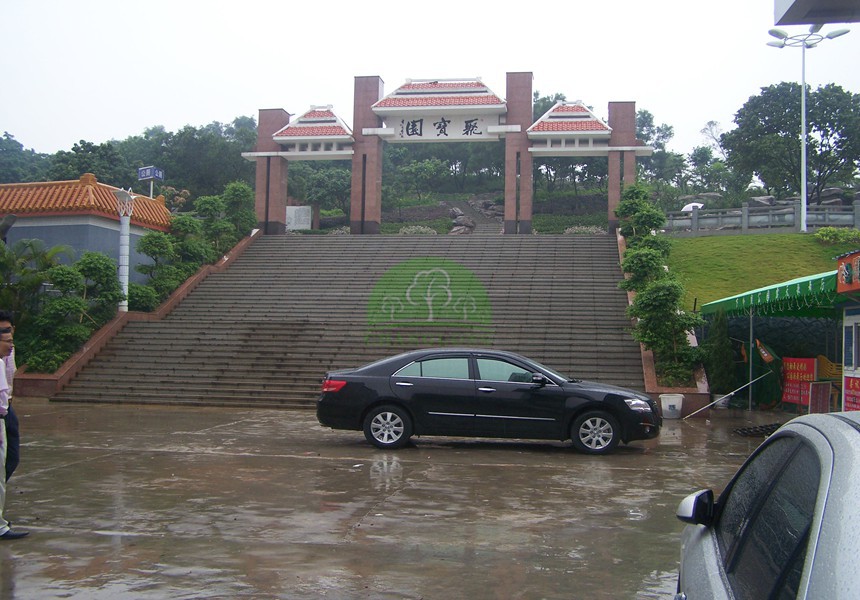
point(81, 213)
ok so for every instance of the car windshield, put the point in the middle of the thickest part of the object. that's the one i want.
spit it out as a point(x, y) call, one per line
point(553, 373)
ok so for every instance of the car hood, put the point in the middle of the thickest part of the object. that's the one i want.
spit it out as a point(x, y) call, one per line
point(605, 388)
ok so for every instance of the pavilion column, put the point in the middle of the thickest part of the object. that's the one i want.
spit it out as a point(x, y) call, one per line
point(270, 196)
point(365, 213)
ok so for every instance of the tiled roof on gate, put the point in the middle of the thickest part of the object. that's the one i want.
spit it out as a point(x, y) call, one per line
point(318, 122)
point(570, 117)
point(574, 108)
point(312, 131)
point(584, 125)
point(440, 93)
point(84, 196)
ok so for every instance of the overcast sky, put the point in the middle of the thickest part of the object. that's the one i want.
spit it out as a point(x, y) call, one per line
point(107, 69)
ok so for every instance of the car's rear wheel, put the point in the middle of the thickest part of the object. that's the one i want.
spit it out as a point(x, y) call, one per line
point(595, 432)
point(387, 427)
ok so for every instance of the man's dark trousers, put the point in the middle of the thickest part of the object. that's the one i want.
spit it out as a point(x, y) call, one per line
point(13, 439)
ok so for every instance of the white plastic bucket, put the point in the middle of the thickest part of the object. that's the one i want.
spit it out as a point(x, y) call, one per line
point(671, 404)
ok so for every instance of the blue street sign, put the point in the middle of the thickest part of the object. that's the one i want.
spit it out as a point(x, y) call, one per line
point(145, 173)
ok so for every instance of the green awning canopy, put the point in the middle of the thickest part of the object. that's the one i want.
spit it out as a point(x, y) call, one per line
point(809, 296)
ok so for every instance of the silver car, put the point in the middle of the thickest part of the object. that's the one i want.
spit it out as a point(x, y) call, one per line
point(787, 525)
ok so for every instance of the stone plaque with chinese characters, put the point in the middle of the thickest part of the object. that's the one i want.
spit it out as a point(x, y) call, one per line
point(299, 217)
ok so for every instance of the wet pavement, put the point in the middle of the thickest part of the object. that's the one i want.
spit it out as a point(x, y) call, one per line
point(181, 502)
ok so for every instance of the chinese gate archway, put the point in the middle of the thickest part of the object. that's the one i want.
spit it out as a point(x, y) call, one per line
point(440, 111)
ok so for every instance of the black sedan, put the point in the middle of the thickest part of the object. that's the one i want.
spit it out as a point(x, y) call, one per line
point(481, 393)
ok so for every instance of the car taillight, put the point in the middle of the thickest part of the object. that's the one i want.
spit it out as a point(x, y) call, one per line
point(332, 385)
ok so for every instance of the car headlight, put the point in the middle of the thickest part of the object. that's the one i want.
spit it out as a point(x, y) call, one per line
point(638, 405)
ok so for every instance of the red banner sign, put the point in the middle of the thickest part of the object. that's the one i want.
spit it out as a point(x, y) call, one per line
point(851, 393)
point(848, 273)
point(796, 375)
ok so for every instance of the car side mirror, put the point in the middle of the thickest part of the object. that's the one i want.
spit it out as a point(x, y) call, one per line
point(697, 508)
point(539, 379)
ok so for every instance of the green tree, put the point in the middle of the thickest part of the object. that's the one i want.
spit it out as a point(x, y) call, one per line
point(102, 160)
point(421, 177)
point(194, 240)
point(23, 272)
point(719, 355)
point(205, 159)
point(18, 165)
point(84, 297)
point(643, 265)
point(330, 188)
point(766, 141)
point(638, 216)
point(239, 203)
point(662, 326)
point(661, 323)
point(664, 169)
point(219, 230)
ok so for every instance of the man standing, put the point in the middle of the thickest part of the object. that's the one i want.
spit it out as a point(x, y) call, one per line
point(13, 437)
point(6, 345)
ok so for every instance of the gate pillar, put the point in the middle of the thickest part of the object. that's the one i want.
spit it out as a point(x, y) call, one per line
point(622, 120)
point(365, 204)
point(270, 197)
point(518, 159)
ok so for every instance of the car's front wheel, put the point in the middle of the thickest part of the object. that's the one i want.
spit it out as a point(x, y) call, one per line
point(595, 432)
point(387, 427)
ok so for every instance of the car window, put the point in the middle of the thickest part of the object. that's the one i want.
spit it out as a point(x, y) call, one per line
point(446, 368)
point(764, 526)
point(491, 369)
point(746, 490)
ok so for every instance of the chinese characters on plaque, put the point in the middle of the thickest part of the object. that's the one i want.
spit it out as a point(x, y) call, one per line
point(460, 128)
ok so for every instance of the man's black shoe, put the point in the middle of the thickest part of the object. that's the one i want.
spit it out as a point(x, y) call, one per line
point(14, 535)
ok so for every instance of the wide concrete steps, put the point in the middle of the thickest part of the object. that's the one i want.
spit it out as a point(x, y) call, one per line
point(265, 331)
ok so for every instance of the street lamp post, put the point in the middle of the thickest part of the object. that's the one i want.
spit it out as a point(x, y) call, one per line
point(124, 206)
point(804, 41)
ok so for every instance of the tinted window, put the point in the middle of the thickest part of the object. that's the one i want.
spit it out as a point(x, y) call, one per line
point(747, 489)
point(491, 369)
point(766, 520)
point(447, 368)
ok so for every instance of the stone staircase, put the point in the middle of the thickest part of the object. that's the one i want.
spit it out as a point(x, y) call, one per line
point(264, 332)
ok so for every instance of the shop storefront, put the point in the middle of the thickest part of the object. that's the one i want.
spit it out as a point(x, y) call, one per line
point(812, 383)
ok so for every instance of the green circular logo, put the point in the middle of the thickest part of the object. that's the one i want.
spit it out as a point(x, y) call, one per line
point(428, 292)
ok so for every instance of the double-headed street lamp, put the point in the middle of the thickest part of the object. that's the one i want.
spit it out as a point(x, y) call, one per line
point(804, 41)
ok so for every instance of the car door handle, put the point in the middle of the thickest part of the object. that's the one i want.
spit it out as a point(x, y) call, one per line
point(487, 390)
point(404, 383)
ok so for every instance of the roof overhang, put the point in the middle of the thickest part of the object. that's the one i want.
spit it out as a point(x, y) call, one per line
point(344, 154)
point(442, 111)
point(587, 150)
point(815, 12)
point(808, 296)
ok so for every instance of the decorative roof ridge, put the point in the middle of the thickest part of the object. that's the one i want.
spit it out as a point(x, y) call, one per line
point(53, 183)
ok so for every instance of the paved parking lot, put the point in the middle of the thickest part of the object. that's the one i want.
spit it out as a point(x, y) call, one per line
point(196, 502)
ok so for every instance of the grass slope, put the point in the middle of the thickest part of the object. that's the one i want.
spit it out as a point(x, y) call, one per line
point(720, 266)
